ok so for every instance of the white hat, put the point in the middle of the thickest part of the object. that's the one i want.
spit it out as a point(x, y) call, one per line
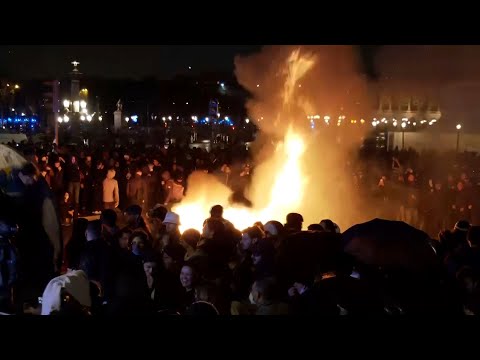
point(172, 218)
point(74, 282)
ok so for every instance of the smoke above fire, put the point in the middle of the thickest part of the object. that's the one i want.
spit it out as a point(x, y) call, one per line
point(303, 99)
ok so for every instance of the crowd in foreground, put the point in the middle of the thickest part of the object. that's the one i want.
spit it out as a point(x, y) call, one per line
point(134, 260)
point(146, 267)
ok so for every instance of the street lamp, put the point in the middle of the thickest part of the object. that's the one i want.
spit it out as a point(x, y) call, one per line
point(83, 104)
point(459, 127)
point(247, 120)
point(60, 119)
point(82, 118)
point(66, 119)
point(89, 118)
point(127, 119)
point(404, 125)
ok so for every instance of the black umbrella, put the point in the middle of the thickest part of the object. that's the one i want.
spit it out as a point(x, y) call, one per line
point(390, 244)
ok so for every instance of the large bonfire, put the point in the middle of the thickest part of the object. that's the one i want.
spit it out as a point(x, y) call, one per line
point(282, 195)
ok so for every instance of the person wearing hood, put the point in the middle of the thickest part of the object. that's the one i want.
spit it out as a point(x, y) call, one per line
point(39, 240)
point(137, 189)
point(67, 294)
point(111, 196)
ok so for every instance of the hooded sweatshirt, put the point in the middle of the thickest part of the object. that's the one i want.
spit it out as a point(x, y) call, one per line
point(110, 188)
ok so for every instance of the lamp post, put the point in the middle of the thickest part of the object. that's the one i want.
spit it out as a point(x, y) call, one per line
point(404, 125)
point(459, 127)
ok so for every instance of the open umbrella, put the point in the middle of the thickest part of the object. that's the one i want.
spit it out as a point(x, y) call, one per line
point(10, 159)
point(390, 244)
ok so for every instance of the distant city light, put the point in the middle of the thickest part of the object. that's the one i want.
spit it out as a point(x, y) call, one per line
point(164, 118)
point(207, 119)
point(169, 118)
point(60, 119)
point(66, 103)
point(222, 84)
point(186, 103)
point(83, 104)
point(100, 118)
point(66, 119)
point(17, 87)
point(247, 120)
point(189, 68)
point(89, 117)
point(362, 121)
point(258, 85)
point(127, 119)
point(459, 126)
point(82, 118)
point(404, 125)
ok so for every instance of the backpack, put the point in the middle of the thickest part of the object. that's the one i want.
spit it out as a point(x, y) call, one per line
point(8, 265)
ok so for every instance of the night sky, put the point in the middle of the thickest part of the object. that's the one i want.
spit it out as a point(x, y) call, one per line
point(115, 61)
point(125, 61)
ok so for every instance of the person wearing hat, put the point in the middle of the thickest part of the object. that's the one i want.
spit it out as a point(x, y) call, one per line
point(171, 233)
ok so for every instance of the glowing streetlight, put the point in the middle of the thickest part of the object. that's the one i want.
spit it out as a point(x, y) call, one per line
point(100, 118)
point(164, 118)
point(60, 119)
point(169, 118)
point(17, 86)
point(374, 123)
point(404, 125)
point(247, 120)
point(207, 119)
point(459, 126)
point(66, 119)
point(258, 85)
point(83, 104)
point(82, 118)
point(89, 118)
point(127, 119)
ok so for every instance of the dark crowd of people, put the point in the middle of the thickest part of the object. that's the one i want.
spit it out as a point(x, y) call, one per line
point(134, 260)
